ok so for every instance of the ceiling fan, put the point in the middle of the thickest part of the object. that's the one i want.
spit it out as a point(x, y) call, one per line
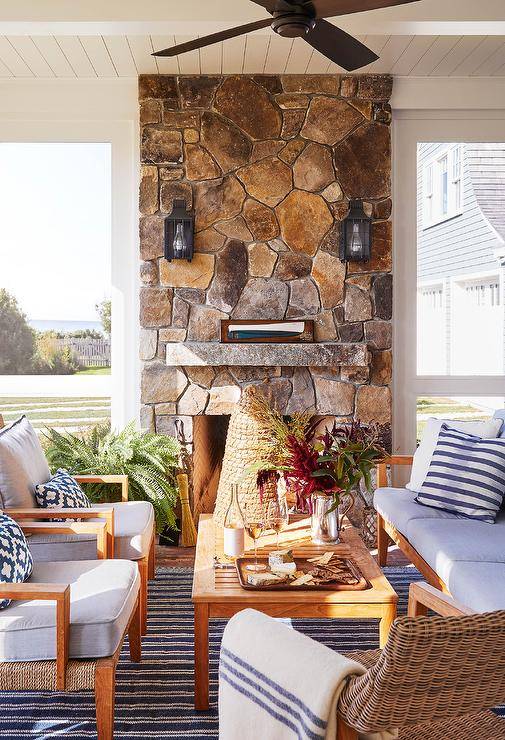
point(304, 19)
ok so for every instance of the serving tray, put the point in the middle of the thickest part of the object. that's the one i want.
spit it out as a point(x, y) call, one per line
point(303, 564)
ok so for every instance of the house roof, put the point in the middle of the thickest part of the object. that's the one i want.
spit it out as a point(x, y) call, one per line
point(486, 165)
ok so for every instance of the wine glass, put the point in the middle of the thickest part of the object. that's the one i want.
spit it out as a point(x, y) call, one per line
point(277, 514)
point(255, 526)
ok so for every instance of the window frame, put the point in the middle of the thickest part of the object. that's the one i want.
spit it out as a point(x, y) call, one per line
point(120, 134)
point(410, 128)
point(432, 174)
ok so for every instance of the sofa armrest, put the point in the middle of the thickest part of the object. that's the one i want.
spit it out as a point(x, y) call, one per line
point(122, 479)
point(60, 593)
point(21, 515)
point(382, 467)
point(97, 528)
point(422, 597)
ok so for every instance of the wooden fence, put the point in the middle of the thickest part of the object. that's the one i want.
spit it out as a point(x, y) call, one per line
point(90, 352)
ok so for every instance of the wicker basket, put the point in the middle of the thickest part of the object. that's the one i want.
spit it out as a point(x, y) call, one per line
point(241, 451)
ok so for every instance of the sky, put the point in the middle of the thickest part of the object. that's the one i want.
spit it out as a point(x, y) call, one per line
point(55, 213)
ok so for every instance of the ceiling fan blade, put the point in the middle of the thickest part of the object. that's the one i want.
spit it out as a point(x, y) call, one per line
point(339, 46)
point(214, 38)
point(330, 8)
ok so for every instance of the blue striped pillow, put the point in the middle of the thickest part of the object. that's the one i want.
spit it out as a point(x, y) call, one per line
point(466, 475)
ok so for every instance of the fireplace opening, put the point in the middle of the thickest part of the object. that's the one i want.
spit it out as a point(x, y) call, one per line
point(209, 441)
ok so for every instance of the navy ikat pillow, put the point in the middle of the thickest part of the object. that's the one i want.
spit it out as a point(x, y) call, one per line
point(61, 492)
point(16, 562)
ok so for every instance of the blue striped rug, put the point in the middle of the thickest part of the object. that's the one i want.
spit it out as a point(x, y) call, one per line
point(154, 700)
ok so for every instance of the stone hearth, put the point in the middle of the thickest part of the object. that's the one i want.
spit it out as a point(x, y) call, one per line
point(269, 164)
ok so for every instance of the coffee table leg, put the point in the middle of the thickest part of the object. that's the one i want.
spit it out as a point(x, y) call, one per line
point(388, 617)
point(201, 656)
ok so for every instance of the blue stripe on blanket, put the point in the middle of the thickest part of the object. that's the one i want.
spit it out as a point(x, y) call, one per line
point(283, 692)
point(290, 710)
point(281, 718)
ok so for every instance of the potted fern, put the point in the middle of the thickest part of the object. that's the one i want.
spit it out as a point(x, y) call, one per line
point(149, 460)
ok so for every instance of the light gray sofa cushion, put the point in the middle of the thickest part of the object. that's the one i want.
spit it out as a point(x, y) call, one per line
point(442, 543)
point(480, 586)
point(102, 598)
point(133, 530)
point(399, 508)
point(22, 465)
point(500, 414)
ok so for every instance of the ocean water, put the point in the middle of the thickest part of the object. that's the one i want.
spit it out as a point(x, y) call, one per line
point(55, 325)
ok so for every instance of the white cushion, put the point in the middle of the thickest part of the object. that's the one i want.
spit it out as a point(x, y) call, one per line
point(22, 465)
point(422, 457)
point(103, 594)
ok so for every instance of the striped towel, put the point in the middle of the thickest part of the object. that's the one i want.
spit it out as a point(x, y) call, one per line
point(277, 684)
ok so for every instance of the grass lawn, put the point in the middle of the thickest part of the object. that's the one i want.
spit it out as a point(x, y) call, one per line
point(94, 371)
point(62, 413)
point(447, 408)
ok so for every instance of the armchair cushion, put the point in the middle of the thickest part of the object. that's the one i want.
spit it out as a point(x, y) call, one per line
point(22, 465)
point(478, 585)
point(133, 530)
point(103, 594)
point(15, 558)
point(61, 491)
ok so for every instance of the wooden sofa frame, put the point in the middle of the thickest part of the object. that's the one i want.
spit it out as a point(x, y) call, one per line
point(146, 565)
point(387, 533)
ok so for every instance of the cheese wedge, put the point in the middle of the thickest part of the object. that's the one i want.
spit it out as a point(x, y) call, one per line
point(284, 568)
point(265, 579)
point(279, 557)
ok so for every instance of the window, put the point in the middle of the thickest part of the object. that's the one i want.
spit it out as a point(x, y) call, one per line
point(455, 408)
point(55, 283)
point(443, 186)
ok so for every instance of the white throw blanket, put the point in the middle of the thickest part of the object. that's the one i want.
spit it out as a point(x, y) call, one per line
point(277, 684)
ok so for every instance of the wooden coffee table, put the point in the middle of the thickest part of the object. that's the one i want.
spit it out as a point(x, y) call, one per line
point(218, 595)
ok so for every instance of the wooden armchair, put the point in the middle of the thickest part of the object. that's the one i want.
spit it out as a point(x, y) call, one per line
point(24, 670)
point(130, 529)
point(436, 679)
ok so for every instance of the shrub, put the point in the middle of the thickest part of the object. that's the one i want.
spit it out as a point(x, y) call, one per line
point(52, 358)
point(17, 338)
point(149, 460)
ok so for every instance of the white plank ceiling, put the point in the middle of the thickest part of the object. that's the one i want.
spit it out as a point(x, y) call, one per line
point(89, 56)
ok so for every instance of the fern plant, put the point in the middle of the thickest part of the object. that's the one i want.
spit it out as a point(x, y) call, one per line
point(149, 460)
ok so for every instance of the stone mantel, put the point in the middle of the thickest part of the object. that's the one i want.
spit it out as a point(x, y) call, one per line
point(266, 354)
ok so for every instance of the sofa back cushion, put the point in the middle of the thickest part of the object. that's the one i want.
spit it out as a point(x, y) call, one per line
point(466, 475)
point(500, 414)
point(22, 465)
point(422, 457)
point(16, 562)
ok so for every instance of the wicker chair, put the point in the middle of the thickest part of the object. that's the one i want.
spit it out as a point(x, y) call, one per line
point(435, 678)
point(112, 612)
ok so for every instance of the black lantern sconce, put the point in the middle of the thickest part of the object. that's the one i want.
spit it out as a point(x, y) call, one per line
point(179, 232)
point(356, 234)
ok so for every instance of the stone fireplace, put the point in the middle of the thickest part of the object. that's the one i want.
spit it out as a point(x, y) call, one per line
point(269, 164)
